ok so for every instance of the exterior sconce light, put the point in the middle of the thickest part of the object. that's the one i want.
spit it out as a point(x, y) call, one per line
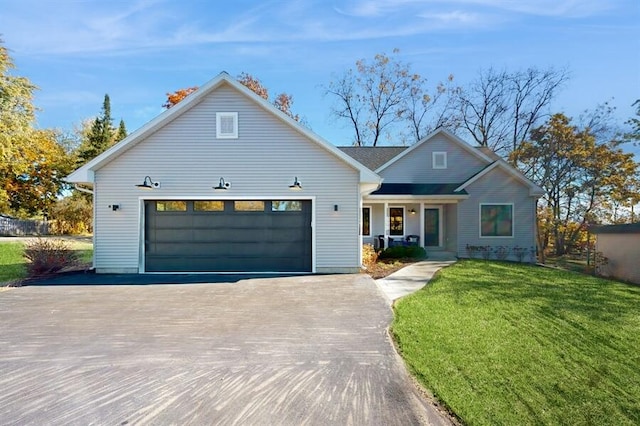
point(147, 183)
point(412, 211)
point(222, 185)
point(335, 207)
point(114, 207)
point(296, 186)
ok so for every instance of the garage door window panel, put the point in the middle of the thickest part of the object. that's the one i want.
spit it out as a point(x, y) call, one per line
point(286, 206)
point(248, 206)
point(208, 206)
point(171, 206)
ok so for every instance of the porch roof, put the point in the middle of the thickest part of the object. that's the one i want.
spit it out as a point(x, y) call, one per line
point(424, 189)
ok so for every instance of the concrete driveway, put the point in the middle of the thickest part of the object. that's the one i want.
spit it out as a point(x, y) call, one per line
point(294, 350)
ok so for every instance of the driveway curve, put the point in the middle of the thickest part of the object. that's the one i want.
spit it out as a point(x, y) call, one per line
point(310, 350)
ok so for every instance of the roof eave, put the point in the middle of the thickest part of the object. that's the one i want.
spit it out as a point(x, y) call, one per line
point(418, 197)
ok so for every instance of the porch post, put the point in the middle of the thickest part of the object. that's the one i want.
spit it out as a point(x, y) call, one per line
point(422, 223)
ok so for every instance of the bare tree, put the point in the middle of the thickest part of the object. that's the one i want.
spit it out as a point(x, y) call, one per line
point(500, 108)
point(373, 97)
point(426, 113)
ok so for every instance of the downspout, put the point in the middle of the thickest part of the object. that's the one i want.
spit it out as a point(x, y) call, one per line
point(81, 189)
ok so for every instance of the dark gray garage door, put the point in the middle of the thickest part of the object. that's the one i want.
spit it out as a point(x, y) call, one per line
point(228, 236)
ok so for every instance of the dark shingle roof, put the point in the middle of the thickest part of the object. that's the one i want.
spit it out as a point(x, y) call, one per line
point(372, 156)
point(419, 189)
point(625, 228)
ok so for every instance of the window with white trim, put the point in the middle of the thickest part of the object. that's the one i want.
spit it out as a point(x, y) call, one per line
point(227, 125)
point(366, 221)
point(496, 220)
point(396, 221)
point(439, 160)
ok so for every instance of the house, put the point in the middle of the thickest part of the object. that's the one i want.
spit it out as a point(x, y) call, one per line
point(620, 244)
point(448, 196)
point(225, 182)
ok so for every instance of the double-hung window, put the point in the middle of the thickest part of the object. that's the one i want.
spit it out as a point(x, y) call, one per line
point(496, 220)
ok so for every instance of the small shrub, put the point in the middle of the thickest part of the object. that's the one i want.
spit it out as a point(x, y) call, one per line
point(369, 255)
point(520, 253)
point(404, 252)
point(47, 256)
point(485, 251)
point(502, 252)
point(471, 251)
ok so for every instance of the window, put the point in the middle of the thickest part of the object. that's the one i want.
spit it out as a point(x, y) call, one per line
point(171, 206)
point(496, 220)
point(439, 160)
point(286, 206)
point(248, 206)
point(208, 206)
point(227, 125)
point(366, 221)
point(396, 221)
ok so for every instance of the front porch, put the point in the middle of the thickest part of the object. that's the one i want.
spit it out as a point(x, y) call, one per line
point(431, 224)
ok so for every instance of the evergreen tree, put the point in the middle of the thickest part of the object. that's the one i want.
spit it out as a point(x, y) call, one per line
point(101, 136)
point(122, 131)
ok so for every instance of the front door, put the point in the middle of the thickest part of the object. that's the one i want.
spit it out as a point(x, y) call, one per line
point(431, 227)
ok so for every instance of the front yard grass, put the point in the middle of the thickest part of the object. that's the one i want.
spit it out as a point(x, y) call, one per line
point(501, 343)
point(13, 264)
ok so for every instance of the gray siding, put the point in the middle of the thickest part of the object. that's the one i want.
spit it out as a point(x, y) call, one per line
point(188, 160)
point(496, 187)
point(416, 167)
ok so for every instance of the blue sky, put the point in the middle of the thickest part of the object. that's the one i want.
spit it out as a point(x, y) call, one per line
point(75, 51)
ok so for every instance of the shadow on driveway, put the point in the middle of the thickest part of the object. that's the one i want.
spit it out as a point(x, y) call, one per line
point(91, 278)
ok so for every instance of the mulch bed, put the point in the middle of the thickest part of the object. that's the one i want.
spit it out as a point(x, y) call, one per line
point(382, 268)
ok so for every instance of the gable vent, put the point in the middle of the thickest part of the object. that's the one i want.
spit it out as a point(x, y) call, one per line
point(227, 125)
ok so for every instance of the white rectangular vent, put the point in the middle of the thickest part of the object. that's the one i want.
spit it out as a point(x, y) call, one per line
point(227, 125)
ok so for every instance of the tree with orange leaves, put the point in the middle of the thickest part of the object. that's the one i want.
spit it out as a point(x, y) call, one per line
point(177, 96)
point(283, 101)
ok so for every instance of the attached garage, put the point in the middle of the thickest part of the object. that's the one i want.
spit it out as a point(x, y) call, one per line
point(228, 236)
point(229, 184)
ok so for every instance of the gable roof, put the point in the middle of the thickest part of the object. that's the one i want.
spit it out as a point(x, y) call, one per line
point(85, 174)
point(475, 152)
point(534, 190)
point(372, 156)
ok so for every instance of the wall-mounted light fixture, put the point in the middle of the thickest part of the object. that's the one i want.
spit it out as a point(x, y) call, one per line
point(115, 207)
point(296, 186)
point(412, 211)
point(147, 183)
point(222, 185)
point(335, 207)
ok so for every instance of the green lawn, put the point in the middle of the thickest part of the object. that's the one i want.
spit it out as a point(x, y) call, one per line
point(12, 264)
point(501, 343)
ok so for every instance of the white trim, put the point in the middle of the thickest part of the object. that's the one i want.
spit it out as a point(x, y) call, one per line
point(219, 117)
point(427, 138)
point(434, 160)
point(404, 220)
point(513, 220)
point(150, 197)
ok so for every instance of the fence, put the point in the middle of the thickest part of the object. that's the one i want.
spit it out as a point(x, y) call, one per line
point(15, 227)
